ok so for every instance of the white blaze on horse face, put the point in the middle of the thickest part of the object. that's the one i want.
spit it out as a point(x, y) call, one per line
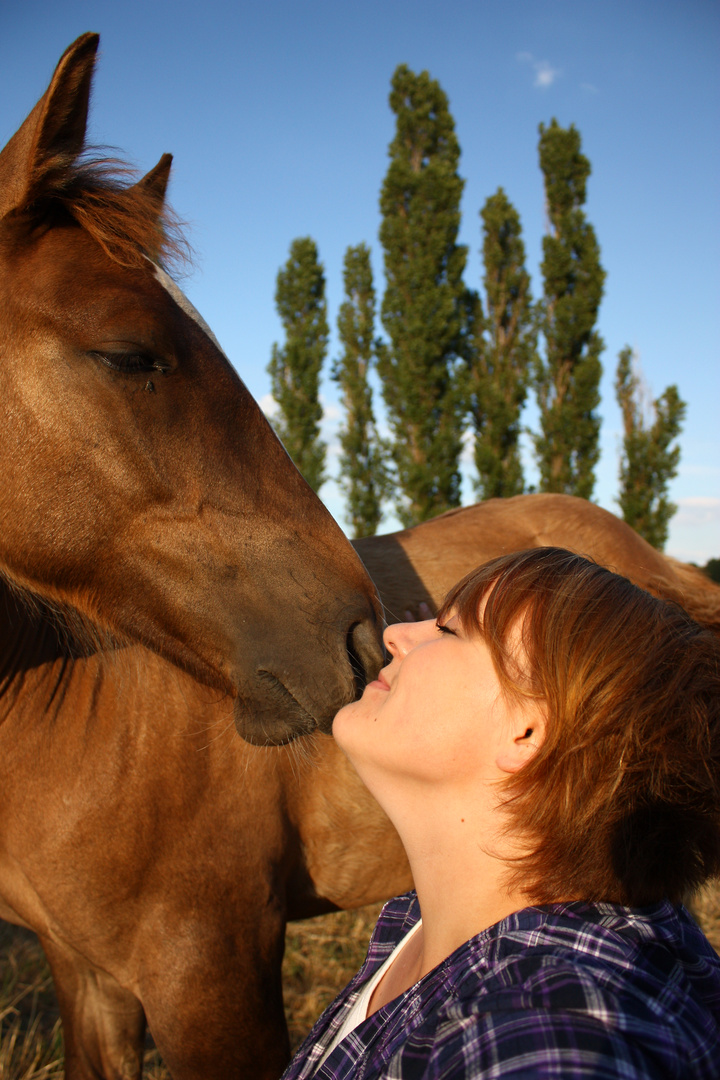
point(182, 302)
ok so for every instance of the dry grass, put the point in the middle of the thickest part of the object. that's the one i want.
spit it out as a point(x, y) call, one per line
point(31, 1042)
point(706, 909)
point(321, 955)
point(30, 1036)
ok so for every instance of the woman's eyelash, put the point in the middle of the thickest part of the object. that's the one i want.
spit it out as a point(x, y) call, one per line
point(445, 629)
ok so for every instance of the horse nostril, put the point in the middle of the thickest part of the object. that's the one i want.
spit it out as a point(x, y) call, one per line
point(364, 654)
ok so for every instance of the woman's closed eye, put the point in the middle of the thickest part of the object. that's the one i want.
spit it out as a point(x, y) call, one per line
point(444, 629)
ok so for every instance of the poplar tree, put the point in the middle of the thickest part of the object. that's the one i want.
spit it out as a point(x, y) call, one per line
point(648, 461)
point(295, 367)
point(363, 476)
point(502, 371)
point(567, 380)
point(425, 307)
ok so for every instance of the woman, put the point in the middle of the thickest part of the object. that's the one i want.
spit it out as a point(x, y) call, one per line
point(549, 751)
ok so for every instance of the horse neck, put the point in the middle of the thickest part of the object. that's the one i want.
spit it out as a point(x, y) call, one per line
point(350, 849)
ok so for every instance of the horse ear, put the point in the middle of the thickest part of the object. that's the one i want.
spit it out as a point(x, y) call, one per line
point(45, 146)
point(155, 182)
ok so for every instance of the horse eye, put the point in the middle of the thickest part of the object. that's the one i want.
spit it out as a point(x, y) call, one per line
point(129, 363)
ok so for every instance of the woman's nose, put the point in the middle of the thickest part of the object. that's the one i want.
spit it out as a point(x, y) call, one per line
point(400, 638)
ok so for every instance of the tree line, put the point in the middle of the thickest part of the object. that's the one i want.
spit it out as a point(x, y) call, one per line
point(454, 360)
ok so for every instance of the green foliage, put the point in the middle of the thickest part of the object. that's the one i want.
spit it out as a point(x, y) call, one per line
point(567, 381)
point(295, 368)
point(502, 363)
point(648, 462)
point(712, 569)
point(425, 307)
point(363, 477)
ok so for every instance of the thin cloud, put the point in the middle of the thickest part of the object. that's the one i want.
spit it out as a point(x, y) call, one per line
point(700, 469)
point(545, 73)
point(699, 510)
point(269, 405)
point(702, 501)
point(695, 529)
point(332, 412)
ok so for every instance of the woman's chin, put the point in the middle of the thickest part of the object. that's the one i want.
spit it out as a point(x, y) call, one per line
point(349, 728)
point(340, 718)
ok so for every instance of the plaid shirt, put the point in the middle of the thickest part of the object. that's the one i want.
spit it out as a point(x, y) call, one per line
point(564, 990)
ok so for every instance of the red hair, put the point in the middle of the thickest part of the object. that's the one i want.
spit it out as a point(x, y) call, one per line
point(621, 802)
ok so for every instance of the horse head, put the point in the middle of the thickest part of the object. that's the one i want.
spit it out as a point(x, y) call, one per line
point(143, 489)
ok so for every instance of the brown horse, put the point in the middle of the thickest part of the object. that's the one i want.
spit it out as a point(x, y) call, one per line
point(419, 565)
point(143, 490)
point(158, 855)
point(147, 510)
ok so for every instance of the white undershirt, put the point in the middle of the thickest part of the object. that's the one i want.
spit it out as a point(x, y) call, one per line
point(359, 1009)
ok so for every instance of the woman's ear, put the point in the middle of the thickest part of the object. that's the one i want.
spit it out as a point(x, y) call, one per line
point(524, 739)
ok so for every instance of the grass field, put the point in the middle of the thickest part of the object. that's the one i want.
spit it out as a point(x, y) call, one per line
point(320, 956)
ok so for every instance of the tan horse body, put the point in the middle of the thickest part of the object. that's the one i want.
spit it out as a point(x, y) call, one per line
point(157, 854)
point(420, 564)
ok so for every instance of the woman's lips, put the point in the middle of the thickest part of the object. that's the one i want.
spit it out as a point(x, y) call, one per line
point(378, 684)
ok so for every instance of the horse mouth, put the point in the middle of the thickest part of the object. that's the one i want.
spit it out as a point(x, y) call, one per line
point(276, 716)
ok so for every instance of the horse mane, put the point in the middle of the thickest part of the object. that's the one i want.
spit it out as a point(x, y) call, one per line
point(102, 196)
point(65, 630)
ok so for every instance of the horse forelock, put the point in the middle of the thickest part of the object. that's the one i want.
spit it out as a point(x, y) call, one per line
point(123, 217)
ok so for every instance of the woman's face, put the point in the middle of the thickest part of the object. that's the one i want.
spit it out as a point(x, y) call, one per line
point(437, 711)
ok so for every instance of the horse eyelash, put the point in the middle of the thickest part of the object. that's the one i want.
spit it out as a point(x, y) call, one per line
point(149, 364)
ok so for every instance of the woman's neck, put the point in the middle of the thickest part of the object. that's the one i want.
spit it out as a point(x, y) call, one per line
point(462, 890)
point(461, 882)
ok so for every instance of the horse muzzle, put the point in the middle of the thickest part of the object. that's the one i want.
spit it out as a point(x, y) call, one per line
point(280, 704)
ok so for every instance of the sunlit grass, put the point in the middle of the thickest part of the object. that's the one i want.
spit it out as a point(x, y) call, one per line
point(321, 956)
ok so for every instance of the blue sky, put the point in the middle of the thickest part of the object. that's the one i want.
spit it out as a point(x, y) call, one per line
point(277, 115)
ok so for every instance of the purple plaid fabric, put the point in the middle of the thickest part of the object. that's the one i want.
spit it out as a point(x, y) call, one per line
point(565, 990)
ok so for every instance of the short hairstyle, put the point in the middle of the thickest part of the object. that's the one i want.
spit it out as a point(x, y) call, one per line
point(621, 802)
